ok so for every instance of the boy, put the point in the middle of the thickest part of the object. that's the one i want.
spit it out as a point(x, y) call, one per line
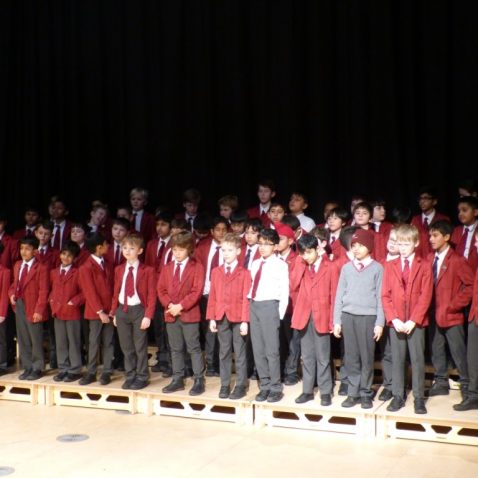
point(298, 203)
point(276, 213)
point(4, 285)
point(179, 289)
point(96, 282)
point(227, 205)
point(228, 313)
point(453, 289)
point(269, 296)
point(382, 229)
point(201, 225)
point(65, 301)
point(328, 207)
point(62, 227)
point(46, 254)
point(406, 295)
point(119, 229)
point(362, 214)
point(312, 317)
point(10, 248)
point(134, 299)
point(191, 200)
point(463, 236)
point(32, 218)
point(294, 223)
point(29, 298)
point(336, 220)
point(142, 221)
point(266, 191)
point(251, 251)
point(238, 223)
point(358, 310)
point(78, 235)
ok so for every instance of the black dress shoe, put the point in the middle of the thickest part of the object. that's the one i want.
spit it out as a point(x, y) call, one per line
point(275, 397)
point(262, 396)
point(87, 379)
point(291, 380)
point(439, 389)
point(464, 392)
point(35, 375)
point(224, 392)
point(127, 384)
point(419, 406)
point(396, 403)
point(350, 402)
point(304, 397)
point(366, 402)
point(59, 377)
point(467, 404)
point(326, 400)
point(385, 395)
point(238, 392)
point(105, 378)
point(343, 389)
point(174, 386)
point(139, 384)
point(25, 374)
point(72, 377)
point(198, 387)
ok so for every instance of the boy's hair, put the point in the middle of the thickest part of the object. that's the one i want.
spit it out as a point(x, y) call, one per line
point(93, 240)
point(81, 225)
point(134, 239)
point(127, 208)
point(179, 223)
point(345, 236)
point(442, 226)
point(229, 200)
point(31, 208)
point(165, 216)
point(307, 241)
point(469, 184)
point(55, 199)
point(340, 212)
point(138, 190)
point(47, 225)
point(232, 239)
point(71, 247)
point(269, 235)
point(301, 195)
point(201, 223)
point(321, 233)
point(401, 215)
point(184, 240)
point(364, 205)
point(238, 216)
point(472, 201)
point(255, 224)
point(430, 190)
point(97, 204)
point(277, 204)
point(407, 232)
point(30, 241)
point(121, 221)
point(191, 195)
point(377, 202)
point(219, 220)
point(291, 221)
point(267, 183)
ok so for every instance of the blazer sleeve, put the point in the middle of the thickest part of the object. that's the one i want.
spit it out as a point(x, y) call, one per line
point(465, 293)
point(89, 291)
point(426, 292)
point(116, 290)
point(195, 292)
point(246, 287)
point(150, 306)
point(4, 283)
point(211, 301)
point(162, 287)
point(43, 290)
point(387, 302)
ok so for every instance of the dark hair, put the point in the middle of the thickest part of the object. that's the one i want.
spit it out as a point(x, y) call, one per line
point(377, 202)
point(81, 225)
point(401, 215)
point(121, 221)
point(30, 241)
point(192, 195)
point(307, 241)
point(165, 216)
point(31, 208)
point(469, 184)
point(255, 224)
point(72, 247)
point(443, 227)
point(201, 223)
point(219, 220)
point(472, 201)
point(321, 233)
point(267, 183)
point(94, 240)
point(180, 223)
point(301, 195)
point(48, 225)
point(238, 216)
point(340, 212)
point(185, 240)
point(364, 205)
point(430, 190)
point(291, 221)
point(269, 234)
point(346, 234)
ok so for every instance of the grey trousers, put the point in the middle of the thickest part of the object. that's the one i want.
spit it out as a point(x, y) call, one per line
point(473, 358)
point(3, 344)
point(415, 343)
point(359, 352)
point(315, 349)
point(30, 340)
point(289, 347)
point(211, 344)
point(230, 339)
point(265, 323)
point(68, 345)
point(133, 342)
point(100, 335)
point(386, 359)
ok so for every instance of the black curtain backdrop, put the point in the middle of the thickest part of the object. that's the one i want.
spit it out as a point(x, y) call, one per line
point(330, 97)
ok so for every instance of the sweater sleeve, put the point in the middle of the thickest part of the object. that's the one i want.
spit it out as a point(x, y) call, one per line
point(338, 298)
point(378, 287)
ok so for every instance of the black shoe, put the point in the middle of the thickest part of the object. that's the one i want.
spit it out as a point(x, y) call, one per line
point(275, 397)
point(105, 378)
point(349, 402)
point(59, 377)
point(326, 400)
point(467, 404)
point(174, 386)
point(224, 392)
point(87, 379)
point(157, 368)
point(262, 396)
point(385, 395)
point(304, 397)
point(291, 380)
point(167, 372)
point(139, 384)
point(343, 389)
point(198, 387)
point(366, 402)
point(3, 371)
point(419, 406)
point(35, 375)
point(396, 403)
point(238, 392)
point(25, 374)
point(127, 384)
point(72, 377)
point(464, 392)
point(439, 389)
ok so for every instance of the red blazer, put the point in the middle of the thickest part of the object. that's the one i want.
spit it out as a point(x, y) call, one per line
point(228, 295)
point(314, 297)
point(66, 234)
point(63, 290)
point(424, 247)
point(97, 287)
point(109, 257)
point(473, 255)
point(337, 250)
point(412, 303)
point(242, 256)
point(190, 290)
point(82, 256)
point(151, 255)
point(201, 252)
point(20, 233)
point(147, 227)
point(5, 277)
point(50, 259)
point(255, 213)
point(35, 292)
point(145, 286)
point(380, 242)
point(473, 315)
point(10, 253)
point(453, 289)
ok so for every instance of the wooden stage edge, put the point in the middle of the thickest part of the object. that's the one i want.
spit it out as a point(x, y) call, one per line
point(441, 424)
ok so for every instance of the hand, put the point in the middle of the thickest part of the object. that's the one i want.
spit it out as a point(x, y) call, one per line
point(37, 317)
point(243, 328)
point(105, 318)
point(12, 300)
point(2, 319)
point(398, 325)
point(212, 326)
point(145, 323)
point(338, 330)
point(174, 309)
point(377, 332)
point(114, 322)
point(409, 326)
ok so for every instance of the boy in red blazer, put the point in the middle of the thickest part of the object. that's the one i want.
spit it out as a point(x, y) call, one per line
point(382, 229)
point(191, 200)
point(10, 246)
point(406, 295)
point(32, 218)
point(228, 315)
point(29, 298)
point(179, 290)
point(65, 301)
point(4, 285)
point(143, 221)
point(134, 300)
point(250, 252)
point(119, 230)
point(96, 282)
point(312, 317)
point(453, 279)
point(78, 235)
point(336, 220)
point(266, 191)
point(45, 254)
point(62, 227)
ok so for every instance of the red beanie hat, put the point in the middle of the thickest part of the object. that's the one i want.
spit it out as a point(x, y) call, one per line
point(364, 237)
point(284, 230)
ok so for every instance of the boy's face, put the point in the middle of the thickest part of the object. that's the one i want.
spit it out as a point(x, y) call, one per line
point(310, 256)
point(131, 252)
point(238, 227)
point(297, 204)
point(266, 248)
point(361, 216)
point(265, 194)
point(359, 251)
point(284, 244)
point(191, 207)
point(426, 202)
point(328, 207)
point(163, 228)
point(251, 236)
point(225, 211)
point(66, 258)
point(124, 213)
point(276, 213)
point(379, 214)
point(102, 249)
point(27, 252)
point(476, 241)
point(118, 232)
point(43, 235)
point(230, 252)
point(137, 201)
point(335, 223)
point(180, 253)
point(438, 241)
point(31, 218)
point(392, 247)
point(218, 232)
point(78, 235)
point(58, 211)
point(406, 247)
point(98, 216)
point(466, 214)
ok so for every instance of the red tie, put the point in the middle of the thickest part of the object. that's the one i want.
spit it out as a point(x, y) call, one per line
point(160, 253)
point(176, 282)
point(62, 273)
point(117, 254)
point(247, 258)
point(228, 271)
point(360, 266)
point(56, 239)
point(405, 273)
point(257, 279)
point(134, 222)
point(312, 271)
point(460, 248)
point(425, 222)
point(128, 288)
point(42, 252)
point(332, 240)
point(22, 280)
point(214, 260)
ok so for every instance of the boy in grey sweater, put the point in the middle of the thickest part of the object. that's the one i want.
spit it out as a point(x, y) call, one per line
point(358, 313)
